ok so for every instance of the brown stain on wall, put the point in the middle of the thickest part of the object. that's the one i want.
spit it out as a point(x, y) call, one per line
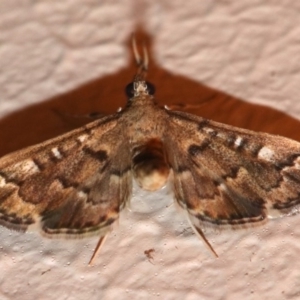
point(53, 117)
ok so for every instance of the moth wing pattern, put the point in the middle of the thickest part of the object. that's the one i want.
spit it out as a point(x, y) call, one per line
point(231, 177)
point(72, 185)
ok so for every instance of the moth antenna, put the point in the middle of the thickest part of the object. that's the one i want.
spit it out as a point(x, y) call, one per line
point(97, 249)
point(142, 63)
point(136, 54)
point(146, 58)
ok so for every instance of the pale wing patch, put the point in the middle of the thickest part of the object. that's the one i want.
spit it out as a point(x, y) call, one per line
point(82, 138)
point(238, 142)
point(221, 135)
point(27, 167)
point(56, 153)
point(273, 213)
point(223, 187)
point(208, 130)
point(2, 182)
point(297, 163)
point(82, 195)
point(266, 153)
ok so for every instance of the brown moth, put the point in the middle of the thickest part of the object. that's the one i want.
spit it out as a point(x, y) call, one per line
point(76, 184)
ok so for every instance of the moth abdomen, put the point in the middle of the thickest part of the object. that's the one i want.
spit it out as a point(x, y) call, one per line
point(149, 165)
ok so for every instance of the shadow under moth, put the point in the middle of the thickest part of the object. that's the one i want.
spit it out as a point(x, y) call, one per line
point(76, 184)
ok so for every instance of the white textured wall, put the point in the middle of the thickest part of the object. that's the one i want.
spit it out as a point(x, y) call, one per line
point(74, 56)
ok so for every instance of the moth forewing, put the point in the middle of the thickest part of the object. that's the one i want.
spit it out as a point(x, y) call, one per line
point(68, 182)
point(239, 177)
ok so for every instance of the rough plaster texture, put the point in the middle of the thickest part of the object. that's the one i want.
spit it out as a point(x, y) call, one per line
point(212, 57)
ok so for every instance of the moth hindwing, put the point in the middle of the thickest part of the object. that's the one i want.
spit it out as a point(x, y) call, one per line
point(76, 184)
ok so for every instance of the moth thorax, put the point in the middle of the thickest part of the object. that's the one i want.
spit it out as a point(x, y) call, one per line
point(149, 165)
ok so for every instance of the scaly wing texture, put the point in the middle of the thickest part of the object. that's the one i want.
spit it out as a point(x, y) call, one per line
point(229, 176)
point(72, 185)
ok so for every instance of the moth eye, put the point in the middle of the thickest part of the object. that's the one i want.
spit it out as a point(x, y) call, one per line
point(151, 88)
point(129, 90)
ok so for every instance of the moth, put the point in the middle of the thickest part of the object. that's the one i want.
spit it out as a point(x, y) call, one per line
point(76, 184)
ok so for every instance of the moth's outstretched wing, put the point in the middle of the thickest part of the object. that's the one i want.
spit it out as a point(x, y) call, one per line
point(229, 176)
point(72, 185)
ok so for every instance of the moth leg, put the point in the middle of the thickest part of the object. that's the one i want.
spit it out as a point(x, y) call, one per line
point(97, 249)
point(207, 243)
point(201, 235)
point(67, 116)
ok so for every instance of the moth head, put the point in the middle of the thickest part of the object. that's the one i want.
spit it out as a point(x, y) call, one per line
point(138, 88)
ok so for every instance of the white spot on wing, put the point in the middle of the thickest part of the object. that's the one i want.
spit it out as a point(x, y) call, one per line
point(56, 153)
point(82, 194)
point(2, 182)
point(27, 166)
point(266, 153)
point(297, 163)
point(115, 179)
point(223, 187)
point(208, 130)
point(238, 141)
point(272, 212)
point(82, 138)
point(222, 135)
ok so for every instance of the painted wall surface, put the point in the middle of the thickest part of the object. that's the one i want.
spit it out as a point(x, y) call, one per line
point(237, 62)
